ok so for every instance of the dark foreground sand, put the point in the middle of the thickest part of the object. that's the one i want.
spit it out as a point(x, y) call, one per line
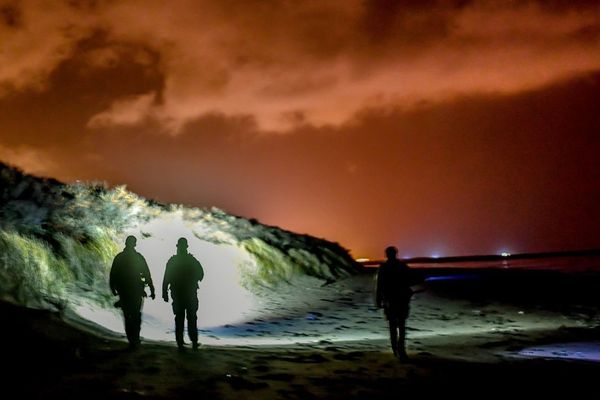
point(467, 337)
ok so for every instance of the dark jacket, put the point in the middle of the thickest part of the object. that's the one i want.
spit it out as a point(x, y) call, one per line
point(394, 279)
point(182, 275)
point(129, 273)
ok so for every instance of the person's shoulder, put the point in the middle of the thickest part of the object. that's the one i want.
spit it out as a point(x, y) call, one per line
point(394, 265)
point(384, 265)
point(192, 258)
point(399, 262)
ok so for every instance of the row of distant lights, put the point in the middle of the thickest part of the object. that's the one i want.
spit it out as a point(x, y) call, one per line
point(362, 260)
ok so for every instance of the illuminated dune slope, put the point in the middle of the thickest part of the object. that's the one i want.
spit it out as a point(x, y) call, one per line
point(57, 242)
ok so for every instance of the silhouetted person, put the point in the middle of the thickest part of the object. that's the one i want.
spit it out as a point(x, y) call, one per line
point(128, 276)
point(393, 294)
point(182, 275)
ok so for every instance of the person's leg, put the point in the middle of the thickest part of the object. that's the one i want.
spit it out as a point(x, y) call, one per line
point(192, 326)
point(132, 317)
point(179, 312)
point(402, 338)
point(136, 319)
point(128, 323)
point(394, 336)
point(402, 317)
point(391, 316)
point(393, 327)
point(192, 321)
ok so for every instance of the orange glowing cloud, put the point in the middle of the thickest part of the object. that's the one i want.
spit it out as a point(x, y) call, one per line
point(310, 62)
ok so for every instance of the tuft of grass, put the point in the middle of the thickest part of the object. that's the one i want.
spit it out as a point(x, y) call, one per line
point(31, 274)
point(272, 265)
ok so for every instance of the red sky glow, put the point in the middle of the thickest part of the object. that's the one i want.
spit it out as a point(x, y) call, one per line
point(451, 127)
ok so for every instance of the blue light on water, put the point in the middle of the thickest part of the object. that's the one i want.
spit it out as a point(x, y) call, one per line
point(581, 351)
point(457, 277)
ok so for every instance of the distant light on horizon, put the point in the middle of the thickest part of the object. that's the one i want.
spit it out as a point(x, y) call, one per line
point(360, 260)
point(505, 254)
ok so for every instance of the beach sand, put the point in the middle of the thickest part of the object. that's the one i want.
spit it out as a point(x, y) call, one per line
point(504, 332)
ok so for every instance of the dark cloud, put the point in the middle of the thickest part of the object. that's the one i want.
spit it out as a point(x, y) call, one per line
point(323, 60)
point(77, 90)
point(10, 15)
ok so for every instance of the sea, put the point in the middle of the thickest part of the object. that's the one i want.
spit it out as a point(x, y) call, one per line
point(574, 264)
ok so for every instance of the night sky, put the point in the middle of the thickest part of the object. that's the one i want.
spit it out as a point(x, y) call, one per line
point(443, 127)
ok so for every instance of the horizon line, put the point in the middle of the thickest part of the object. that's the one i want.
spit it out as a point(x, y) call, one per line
point(489, 257)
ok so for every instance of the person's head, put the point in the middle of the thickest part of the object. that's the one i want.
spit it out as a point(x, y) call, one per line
point(130, 242)
point(182, 245)
point(391, 252)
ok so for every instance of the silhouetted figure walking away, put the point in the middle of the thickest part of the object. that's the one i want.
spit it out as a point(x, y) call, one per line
point(182, 275)
point(393, 294)
point(128, 276)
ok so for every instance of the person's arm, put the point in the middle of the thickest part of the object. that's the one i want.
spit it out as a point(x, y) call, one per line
point(379, 290)
point(166, 282)
point(147, 277)
point(200, 271)
point(113, 277)
point(417, 280)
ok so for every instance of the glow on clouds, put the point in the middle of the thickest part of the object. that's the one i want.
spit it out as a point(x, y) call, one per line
point(304, 62)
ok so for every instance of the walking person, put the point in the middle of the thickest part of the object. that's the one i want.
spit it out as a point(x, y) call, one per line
point(129, 275)
point(393, 294)
point(182, 275)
